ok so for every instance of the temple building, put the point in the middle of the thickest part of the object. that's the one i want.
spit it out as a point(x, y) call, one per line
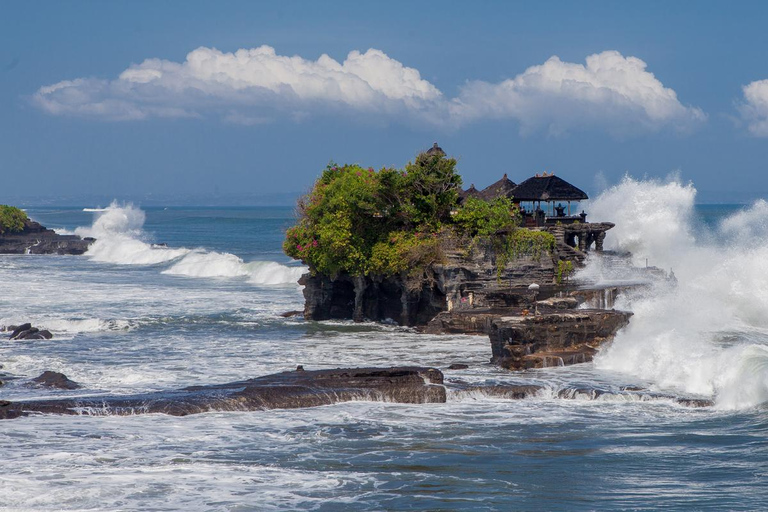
point(547, 202)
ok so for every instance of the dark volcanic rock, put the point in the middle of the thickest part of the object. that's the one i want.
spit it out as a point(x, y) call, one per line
point(55, 380)
point(27, 332)
point(18, 329)
point(458, 366)
point(288, 390)
point(37, 239)
point(555, 339)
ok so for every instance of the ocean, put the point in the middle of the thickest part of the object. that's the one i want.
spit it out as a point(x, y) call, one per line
point(204, 308)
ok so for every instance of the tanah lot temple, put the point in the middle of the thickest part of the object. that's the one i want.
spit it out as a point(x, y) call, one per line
point(547, 202)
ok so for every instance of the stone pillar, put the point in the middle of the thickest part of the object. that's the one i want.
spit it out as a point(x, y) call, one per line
point(582, 242)
point(599, 241)
point(359, 283)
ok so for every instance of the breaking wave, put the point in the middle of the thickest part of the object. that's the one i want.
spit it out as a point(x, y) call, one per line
point(121, 240)
point(709, 334)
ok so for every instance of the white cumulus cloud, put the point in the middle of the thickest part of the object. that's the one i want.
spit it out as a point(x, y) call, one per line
point(254, 86)
point(611, 90)
point(249, 78)
point(754, 109)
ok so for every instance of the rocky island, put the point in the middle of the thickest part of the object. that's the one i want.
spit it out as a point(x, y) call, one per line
point(21, 235)
point(411, 246)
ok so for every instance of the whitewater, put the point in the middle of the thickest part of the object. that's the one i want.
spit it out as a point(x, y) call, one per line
point(168, 298)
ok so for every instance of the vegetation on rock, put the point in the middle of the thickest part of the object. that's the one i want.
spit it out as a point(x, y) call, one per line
point(485, 218)
point(12, 219)
point(564, 271)
point(391, 222)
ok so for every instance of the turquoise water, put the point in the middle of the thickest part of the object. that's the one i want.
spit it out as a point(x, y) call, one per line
point(205, 309)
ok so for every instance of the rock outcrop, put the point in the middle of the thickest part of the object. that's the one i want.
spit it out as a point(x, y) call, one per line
point(554, 339)
point(288, 390)
point(37, 239)
point(27, 332)
point(474, 292)
point(57, 380)
point(473, 275)
point(466, 280)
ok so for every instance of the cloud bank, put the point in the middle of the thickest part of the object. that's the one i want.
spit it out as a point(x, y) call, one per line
point(754, 109)
point(253, 86)
point(610, 90)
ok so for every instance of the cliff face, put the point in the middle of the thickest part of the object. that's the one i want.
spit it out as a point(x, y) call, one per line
point(468, 279)
point(37, 239)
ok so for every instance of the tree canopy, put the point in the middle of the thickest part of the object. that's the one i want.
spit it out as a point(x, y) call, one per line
point(362, 221)
point(12, 219)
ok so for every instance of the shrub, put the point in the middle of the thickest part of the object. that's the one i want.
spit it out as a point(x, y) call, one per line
point(391, 222)
point(362, 221)
point(564, 271)
point(485, 218)
point(12, 219)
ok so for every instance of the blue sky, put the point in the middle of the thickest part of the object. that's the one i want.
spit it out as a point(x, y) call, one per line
point(143, 100)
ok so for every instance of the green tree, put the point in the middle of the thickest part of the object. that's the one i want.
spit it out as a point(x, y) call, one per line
point(354, 218)
point(434, 187)
point(12, 219)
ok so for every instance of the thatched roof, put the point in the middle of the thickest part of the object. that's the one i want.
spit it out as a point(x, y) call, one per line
point(547, 188)
point(435, 150)
point(470, 192)
point(501, 188)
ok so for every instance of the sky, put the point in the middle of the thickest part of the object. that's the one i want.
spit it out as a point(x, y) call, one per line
point(246, 102)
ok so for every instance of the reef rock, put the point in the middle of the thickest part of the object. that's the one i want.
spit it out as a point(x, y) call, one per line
point(27, 332)
point(37, 239)
point(58, 380)
point(288, 390)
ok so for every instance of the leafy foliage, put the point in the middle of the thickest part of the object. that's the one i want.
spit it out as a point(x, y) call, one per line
point(390, 222)
point(363, 221)
point(11, 219)
point(485, 218)
point(564, 271)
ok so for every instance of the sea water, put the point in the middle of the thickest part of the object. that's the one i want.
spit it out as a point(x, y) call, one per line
point(133, 315)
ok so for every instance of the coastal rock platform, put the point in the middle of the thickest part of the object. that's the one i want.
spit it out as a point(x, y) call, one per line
point(37, 239)
point(288, 390)
point(554, 339)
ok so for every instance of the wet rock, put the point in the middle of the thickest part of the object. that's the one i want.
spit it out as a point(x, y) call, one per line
point(471, 321)
point(27, 332)
point(37, 239)
point(580, 393)
point(17, 329)
point(57, 380)
point(554, 339)
point(458, 366)
point(695, 402)
point(289, 314)
point(507, 391)
point(288, 390)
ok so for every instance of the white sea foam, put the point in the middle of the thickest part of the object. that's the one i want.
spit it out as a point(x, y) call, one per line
point(63, 231)
point(270, 272)
point(709, 334)
point(121, 240)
